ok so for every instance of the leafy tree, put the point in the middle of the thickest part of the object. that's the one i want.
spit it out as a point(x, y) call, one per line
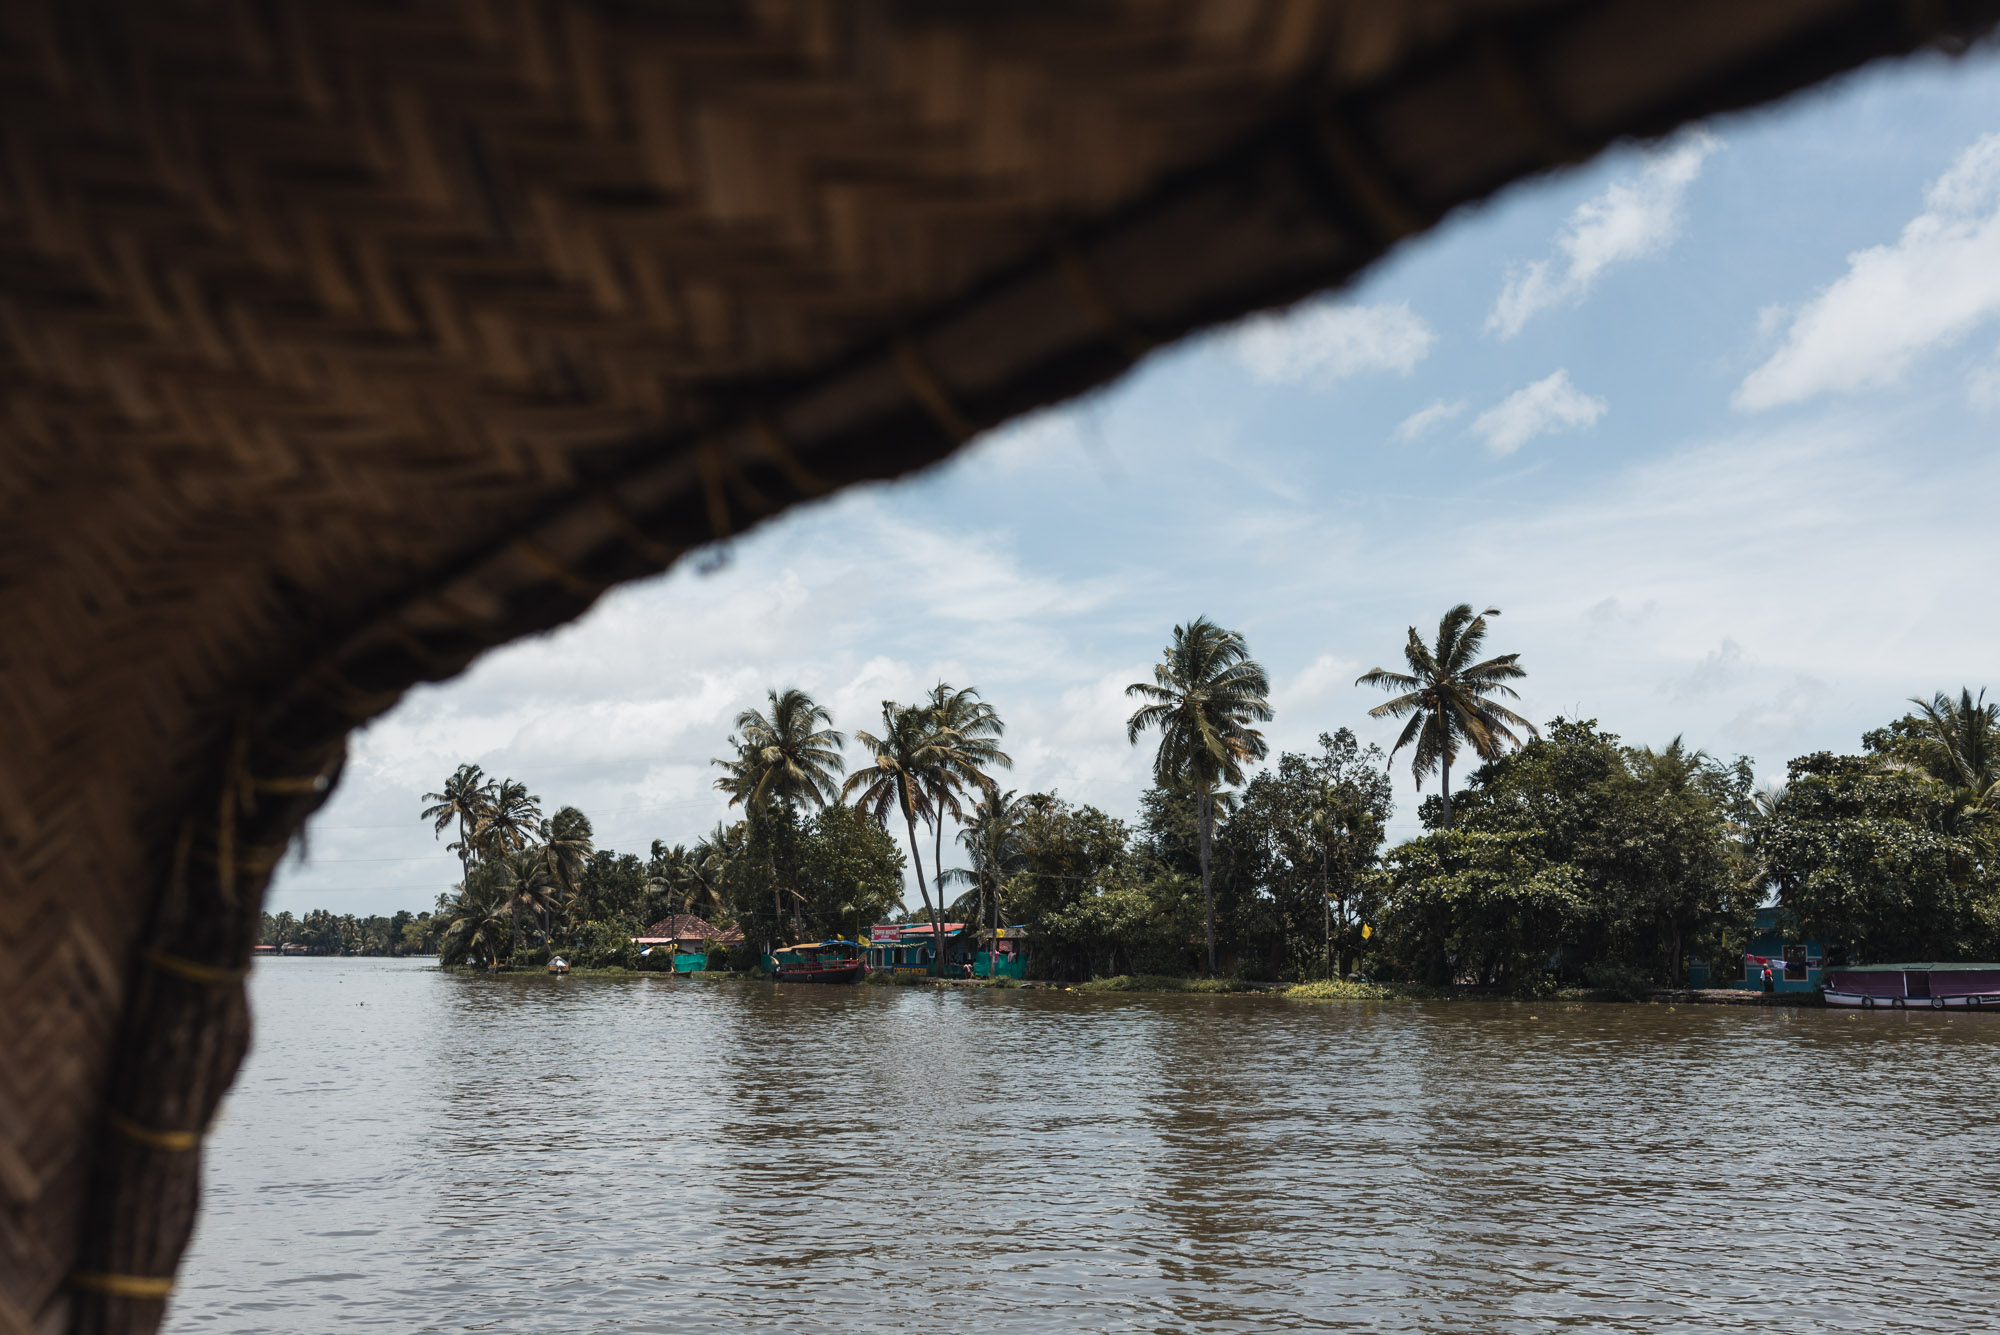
point(850, 872)
point(1956, 743)
point(525, 878)
point(509, 822)
point(566, 845)
point(1872, 855)
point(965, 737)
point(1092, 905)
point(991, 837)
point(786, 760)
point(1651, 834)
point(904, 775)
point(464, 800)
point(1303, 839)
point(1468, 906)
point(478, 923)
point(1205, 694)
point(1450, 699)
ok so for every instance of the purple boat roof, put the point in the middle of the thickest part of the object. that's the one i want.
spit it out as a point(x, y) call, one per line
point(1915, 968)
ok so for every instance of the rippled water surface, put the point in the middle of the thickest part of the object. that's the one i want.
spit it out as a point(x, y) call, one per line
point(419, 1151)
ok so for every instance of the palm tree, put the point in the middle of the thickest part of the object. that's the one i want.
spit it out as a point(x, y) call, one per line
point(965, 733)
point(785, 760)
point(904, 776)
point(1959, 746)
point(476, 922)
point(565, 848)
point(525, 877)
point(1767, 801)
point(465, 798)
point(510, 820)
point(1205, 694)
point(992, 839)
point(1449, 698)
point(790, 756)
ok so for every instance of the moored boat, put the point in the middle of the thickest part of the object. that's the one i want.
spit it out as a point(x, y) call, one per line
point(834, 961)
point(1914, 986)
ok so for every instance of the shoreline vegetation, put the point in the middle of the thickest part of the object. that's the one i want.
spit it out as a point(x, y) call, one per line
point(1554, 861)
point(1175, 985)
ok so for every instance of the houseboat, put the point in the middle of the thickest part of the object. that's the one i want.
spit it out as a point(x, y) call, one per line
point(1921, 986)
point(834, 961)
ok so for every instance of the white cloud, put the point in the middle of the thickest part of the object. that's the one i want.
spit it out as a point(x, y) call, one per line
point(1323, 342)
point(1982, 386)
point(1780, 720)
point(1633, 218)
point(1422, 420)
point(1319, 680)
point(1937, 282)
point(1717, 670)
point(1552, 403)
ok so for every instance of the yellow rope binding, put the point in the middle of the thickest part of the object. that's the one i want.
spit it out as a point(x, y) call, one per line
point(807, 482)
point(154, 1287)
point(153, 1136)
point(930, 391)
point(193, 971)
point(659, 554)
point(1076, 271)
point(553, 565)
point(1517, 97)
point(1393, 216)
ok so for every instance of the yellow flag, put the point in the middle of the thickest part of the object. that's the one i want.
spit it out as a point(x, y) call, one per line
point(1366, 931)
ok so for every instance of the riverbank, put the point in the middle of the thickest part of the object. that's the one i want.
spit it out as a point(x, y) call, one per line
point(1732, 996)
point(1168, 985)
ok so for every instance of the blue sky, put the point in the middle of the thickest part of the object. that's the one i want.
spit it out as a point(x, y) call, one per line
point(1712, 422)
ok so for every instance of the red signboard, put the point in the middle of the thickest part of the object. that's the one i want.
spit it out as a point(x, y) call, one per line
point(884, 935)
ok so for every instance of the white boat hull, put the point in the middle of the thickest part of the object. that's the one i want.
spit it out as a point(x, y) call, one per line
point(1968, 1001)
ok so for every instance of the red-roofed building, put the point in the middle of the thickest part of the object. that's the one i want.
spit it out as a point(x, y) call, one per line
point(910, 947)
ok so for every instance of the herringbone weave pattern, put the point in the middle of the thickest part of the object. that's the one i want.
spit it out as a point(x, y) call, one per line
point(344, 339)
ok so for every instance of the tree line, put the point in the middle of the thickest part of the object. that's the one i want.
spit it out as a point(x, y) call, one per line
point(1563, 854)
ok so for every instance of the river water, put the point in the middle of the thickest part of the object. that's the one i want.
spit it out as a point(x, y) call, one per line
point(412, 1150)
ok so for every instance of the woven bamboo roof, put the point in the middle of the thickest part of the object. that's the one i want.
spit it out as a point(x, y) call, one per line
point(346, 340)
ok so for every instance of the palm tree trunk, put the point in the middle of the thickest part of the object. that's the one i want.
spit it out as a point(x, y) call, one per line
point(937, 865)
point(917, 858)
point(1326, 906)
point(1447, 790)
point(1205, 812)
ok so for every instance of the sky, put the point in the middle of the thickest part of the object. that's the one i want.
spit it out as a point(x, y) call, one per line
point(1711, 421)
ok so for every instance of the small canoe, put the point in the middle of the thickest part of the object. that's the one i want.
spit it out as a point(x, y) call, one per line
point(558, 965)
point(833, 961)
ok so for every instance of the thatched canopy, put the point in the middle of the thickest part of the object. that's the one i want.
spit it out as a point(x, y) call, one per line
point(346, 340)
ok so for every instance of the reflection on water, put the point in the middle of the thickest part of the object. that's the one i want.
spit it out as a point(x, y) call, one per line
point(418, 1151)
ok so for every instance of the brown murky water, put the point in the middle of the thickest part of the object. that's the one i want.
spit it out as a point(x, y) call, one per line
point(416, 1151)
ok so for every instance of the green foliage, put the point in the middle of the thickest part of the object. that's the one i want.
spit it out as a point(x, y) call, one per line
point(1205, 693)
point(1876, 856)
point(604, 945)
point(1449, 699)
point(1091, 905)
point(1650, 834)
point(1149, 982)
point(1342, 990)
point(1488, 909)
point(1306, 832)
point(850, 873)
